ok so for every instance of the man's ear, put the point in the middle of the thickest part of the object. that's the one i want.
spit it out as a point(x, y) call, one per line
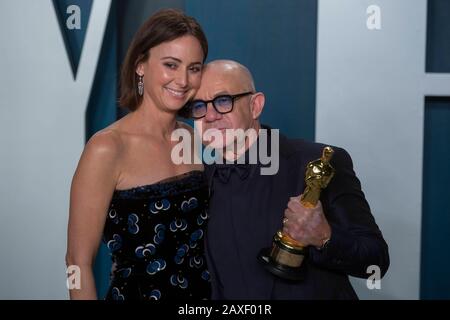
point(257, 105)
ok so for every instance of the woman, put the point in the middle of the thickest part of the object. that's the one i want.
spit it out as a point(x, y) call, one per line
point(151, 211)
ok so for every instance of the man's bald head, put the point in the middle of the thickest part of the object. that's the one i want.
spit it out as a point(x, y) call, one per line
point(233, 71)
point(220, 80)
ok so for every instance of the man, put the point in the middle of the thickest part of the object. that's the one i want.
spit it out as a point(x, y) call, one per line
point(247, 208)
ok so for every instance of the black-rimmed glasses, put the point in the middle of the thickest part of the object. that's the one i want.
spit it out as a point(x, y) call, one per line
point(222, 104)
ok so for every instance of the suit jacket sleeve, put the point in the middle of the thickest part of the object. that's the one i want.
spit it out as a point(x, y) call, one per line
point(356, 241)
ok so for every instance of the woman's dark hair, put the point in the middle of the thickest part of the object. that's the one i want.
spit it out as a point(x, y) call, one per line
point(165, 25)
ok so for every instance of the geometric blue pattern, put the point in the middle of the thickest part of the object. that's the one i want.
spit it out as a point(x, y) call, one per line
point(438, 30)
point(73, 37)
point(435, 255)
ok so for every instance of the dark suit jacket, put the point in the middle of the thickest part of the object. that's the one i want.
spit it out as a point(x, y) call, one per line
point(247, 209)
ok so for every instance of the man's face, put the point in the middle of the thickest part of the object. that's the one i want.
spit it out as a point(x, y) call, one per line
point(216, 83)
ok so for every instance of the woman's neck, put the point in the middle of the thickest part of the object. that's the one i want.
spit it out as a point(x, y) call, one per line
point(153, 121)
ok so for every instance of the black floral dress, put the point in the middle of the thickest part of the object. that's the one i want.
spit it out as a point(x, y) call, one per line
point(155, 234)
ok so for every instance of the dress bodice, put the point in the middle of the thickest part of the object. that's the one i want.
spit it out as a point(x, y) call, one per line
point(155, 234)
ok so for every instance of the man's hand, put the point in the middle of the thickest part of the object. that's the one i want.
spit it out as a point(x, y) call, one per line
point(306, 225)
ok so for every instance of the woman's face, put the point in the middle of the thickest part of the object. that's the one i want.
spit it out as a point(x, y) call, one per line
point(172, 73)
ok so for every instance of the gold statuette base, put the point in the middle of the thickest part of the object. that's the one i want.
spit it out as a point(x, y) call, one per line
point(283, 260)
point(286, 257)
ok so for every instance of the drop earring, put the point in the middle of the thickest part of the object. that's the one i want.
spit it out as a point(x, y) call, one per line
point(141, 85)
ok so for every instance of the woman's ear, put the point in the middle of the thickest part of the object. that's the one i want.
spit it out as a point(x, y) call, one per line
point(140, 69)
point(257, 104)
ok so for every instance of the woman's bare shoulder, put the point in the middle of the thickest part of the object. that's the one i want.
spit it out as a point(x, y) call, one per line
point(105, 143)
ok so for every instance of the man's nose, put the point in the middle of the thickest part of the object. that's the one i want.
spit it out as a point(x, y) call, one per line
point(211, 113)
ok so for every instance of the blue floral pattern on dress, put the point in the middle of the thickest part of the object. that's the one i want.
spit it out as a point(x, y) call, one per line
point(195, 237)
point(189, 205)
point(155, 237)
point(133, 227)
point(181, 253)
point(155, 294)
point(160, 233)
point(178, 280)
point(115, 243)
point(160, 205)
point(144, 251)
point(178, 225)
point(116, 295)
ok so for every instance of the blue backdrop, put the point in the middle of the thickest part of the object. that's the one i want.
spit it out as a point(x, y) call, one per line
point(435, 260)
point(277, 41)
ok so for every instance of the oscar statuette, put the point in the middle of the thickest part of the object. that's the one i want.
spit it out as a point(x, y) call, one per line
point(285, 257)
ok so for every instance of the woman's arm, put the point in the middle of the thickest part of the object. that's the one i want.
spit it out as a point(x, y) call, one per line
point(93, 183)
